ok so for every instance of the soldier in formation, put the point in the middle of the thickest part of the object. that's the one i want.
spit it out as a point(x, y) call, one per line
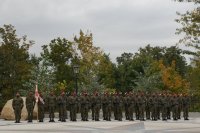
point(41, 107)
point(186, 103)
point(72, 101)
point(62, 107)
point(155, 105)
point(17, 105)
point(85, 103)
point(30, 104)
point(51, 104)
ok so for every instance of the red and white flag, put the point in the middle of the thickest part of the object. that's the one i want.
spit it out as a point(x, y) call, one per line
point(36, 93)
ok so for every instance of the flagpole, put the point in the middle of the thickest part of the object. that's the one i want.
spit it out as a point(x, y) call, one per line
point(36, 96)
point(37, 112)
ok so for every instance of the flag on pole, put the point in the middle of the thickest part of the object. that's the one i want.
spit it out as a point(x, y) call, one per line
point(36, 93)
point(41, 100)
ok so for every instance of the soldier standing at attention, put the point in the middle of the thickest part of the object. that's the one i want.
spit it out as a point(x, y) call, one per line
point(62, 104)
point(97, 106)
point(84, 107)
point(179, 98)
point(41, 106)
point(154, 103)
point(186, 104)
point(131, 103)
point(92, 98)
point(51, 106)
point(159, 106)
point(118, 102)
point(126, 100)
point(148, 108)
point(164, 106)
point(106, 107)
point(30, 103)
point(174, 102)
point(104, 104)
point(136, 107)
point(168, 106)
point(141, 104)
point(73, 106)
point(17, 105)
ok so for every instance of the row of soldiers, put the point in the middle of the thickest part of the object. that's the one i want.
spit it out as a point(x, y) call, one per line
point(152, 106)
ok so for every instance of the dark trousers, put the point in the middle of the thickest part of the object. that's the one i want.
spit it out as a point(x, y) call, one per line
point(30, 113)
point(51, 112)
point(17, 112)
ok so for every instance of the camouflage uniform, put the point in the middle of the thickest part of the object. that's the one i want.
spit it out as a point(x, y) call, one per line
point(174, 101)
point(136, 107)
point(107, 103)
point(118, 103)
point(17, 105)
point(62, 104)
point(97, 106)
point(130, 104)
point(154, 107)
point(41, 108)
point(84, 107)
point(159, 106)
point(141, 104)
point(92, 99)
point(148, 107)
point(186, 103)
point(164, 106)
point(72, 106)
point(30, 103)
point(51, 102)
point(126, 100)
point(169, 107)
point(179, 98)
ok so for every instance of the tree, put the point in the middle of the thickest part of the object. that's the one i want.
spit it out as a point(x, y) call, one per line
point(150, 80)
point(106, 72)
point(15, 63)
point(141, 71)
point(56, 61)
point(190, 22)
point(172, 54)
point(89, 58)
point(167, 54)
point(41, 74)
point(172, 80)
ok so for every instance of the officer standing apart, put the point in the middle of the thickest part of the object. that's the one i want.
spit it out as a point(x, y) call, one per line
point(17, 105)
point(30, 103)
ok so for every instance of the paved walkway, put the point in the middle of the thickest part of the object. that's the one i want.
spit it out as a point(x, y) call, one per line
point(181, 126)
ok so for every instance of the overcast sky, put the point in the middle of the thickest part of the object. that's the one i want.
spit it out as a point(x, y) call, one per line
point(117, 25)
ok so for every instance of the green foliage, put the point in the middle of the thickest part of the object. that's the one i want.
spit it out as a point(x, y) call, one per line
point(150, 80)
point(89, 58)
point(56, 59)
point(42, 75)
point(190, 22)
point(140, 71)
point(124, 73)
point(106, 72)
point(14, 59)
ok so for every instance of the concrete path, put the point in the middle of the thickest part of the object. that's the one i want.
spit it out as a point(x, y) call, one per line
point(170, 126)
